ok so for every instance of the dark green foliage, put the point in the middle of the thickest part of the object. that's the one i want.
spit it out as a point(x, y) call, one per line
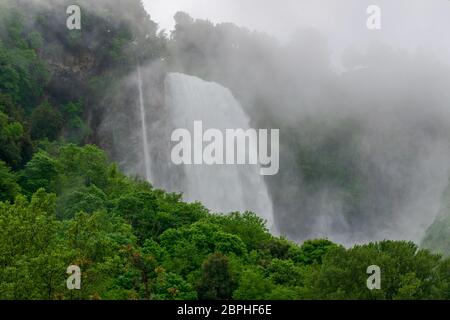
point(46, 122)
point(9, 187)
point(217, 280)
point(406, 273)
point(311, 251)
point(12, 140)
point(248, 226)
point(40, 172)
point(84, 199)
point(75, 129)
point(22, 73)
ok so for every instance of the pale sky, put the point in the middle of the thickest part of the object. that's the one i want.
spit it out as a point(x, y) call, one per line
point(407, 24)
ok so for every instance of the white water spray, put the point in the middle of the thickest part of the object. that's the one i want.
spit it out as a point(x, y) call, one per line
point(221, 188)
point(148, 174)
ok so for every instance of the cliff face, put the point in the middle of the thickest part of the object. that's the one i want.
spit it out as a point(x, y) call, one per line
point(91, 66)
point(75, 57)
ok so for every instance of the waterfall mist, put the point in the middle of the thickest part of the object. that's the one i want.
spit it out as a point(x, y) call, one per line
point(364, 145)
point(363, 119)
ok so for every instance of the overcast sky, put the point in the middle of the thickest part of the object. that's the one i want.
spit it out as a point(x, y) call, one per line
point(407, 24)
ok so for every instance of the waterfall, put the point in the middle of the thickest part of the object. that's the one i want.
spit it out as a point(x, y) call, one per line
point(221, 188)
point(145, 146)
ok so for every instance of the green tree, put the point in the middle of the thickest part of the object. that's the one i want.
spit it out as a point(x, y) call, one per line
point(46, 122)
point(247, 226)
point(84, 199)
point(217, 281)
point(98, 243)
point(13, 141)
point(9, 188)
point(40, 172)
point(406, 271)
point(31, 256)
point(253, 286)
point(311, 251)
point(80, 166)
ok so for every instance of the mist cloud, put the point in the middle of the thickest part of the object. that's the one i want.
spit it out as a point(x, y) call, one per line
point(365, 145)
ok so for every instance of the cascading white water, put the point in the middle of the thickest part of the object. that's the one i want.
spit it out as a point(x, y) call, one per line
point(145, 146)
point(221, 188)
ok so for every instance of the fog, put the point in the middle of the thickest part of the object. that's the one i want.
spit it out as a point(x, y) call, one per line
point(408, 24)
point(363, 113)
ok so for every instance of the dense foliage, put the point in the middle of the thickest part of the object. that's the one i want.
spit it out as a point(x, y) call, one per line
point(132, 241)
point(62, 202)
